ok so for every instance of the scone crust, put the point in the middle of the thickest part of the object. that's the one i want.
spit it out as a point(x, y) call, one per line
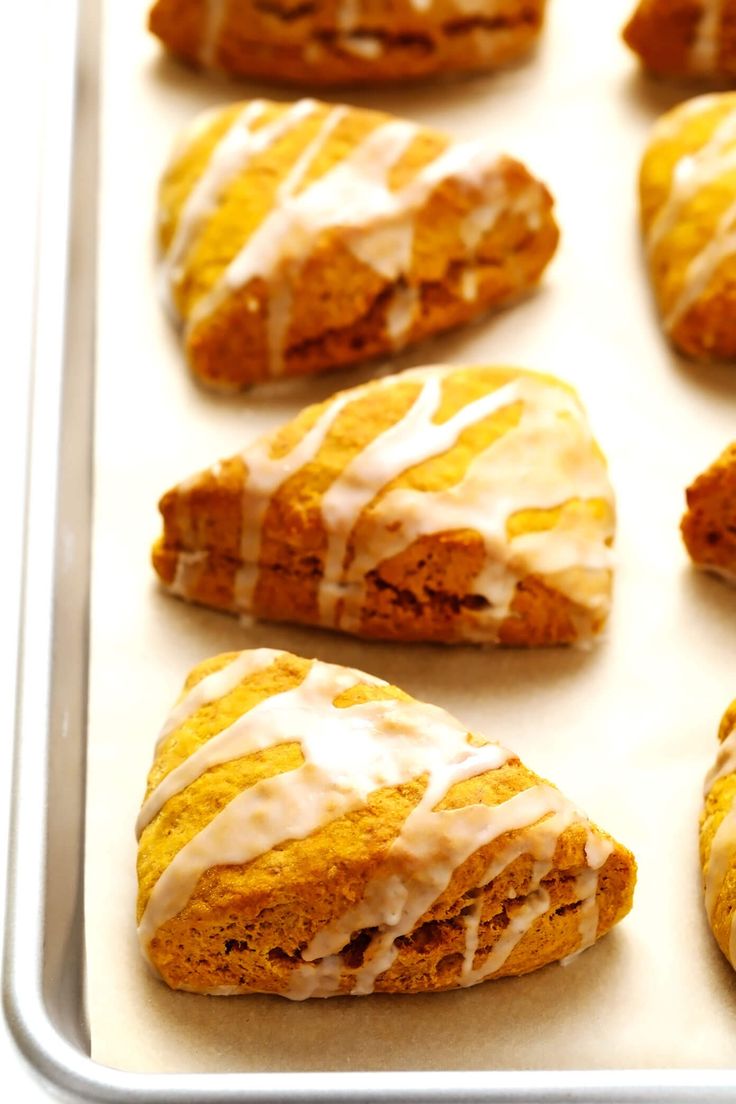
point(396, 570)
point(709, 523)
point(247, 927)
point(333, 43)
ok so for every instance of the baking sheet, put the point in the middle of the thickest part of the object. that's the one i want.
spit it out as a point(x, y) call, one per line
point(627, 730)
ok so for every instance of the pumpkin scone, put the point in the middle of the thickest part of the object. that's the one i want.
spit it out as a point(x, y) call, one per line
point(299, 237)
point(688, 210)
point(718, 839)
point(709, 524)
point(309, 830)
point(340, 42)
point(685, 38)
point(447, 504)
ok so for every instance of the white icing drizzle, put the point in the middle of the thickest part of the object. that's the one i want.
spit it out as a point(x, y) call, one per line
point(280, 298)
point(436, 842)
point(586, 890)
point(546, 460)
point(252, 731)
point(216, 686)
point(188, 570)
point(354, 200)
point(413, 439)
point(725, 763)
point(401, 313)
point(521, 919)
point(214, 19)
point(347, 754)
point(354, 191)
point(720, 860)
point(694, 172)
point(705, 264)
point(469, 284)
point(265, 476)
point(230, 156)
point(705, 47)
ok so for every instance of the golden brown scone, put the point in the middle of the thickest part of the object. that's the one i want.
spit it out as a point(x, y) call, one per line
point(446, 504)
point(340, 42)
point(309, 830)
point(688, 208)
point(683, 38)
point(299, 237)
point(718, 839)
point(709, 523)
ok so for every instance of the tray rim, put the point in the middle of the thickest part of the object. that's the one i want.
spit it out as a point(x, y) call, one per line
point(67, 1068)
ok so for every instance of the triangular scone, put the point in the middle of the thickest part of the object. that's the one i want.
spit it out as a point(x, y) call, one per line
point(298, 237)
point(443, 503)
point(688, 208)
point(684, 37)
point(718, 839)
point(709, 523)
point(339, 42)
point(310, 830)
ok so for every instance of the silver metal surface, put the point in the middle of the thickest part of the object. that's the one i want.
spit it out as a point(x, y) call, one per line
point(44, 949)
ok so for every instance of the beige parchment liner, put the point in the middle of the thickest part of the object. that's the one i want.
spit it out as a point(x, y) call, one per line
point(626, 730)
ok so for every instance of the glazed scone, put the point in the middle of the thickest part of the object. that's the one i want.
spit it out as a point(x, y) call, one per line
point(296, 238)
point(340, 42)
point(718, 839)
point(446, 504)
point(688, 209)
point(685, 38)
point(309, 830)
point(709, 523)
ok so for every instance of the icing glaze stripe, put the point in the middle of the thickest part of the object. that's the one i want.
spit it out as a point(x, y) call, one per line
point(499, 482)
point(292, 805)
point(705, 264)
point(216, 686)
point(694, 172)
point(265, 476)
point(252, 731)
point(230, 157)
point(355, 187)
point(437, 842)
point(214, 20)
point(413, 439)
point(705, 48)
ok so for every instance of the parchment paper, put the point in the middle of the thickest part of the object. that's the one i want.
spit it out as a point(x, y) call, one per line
point(627, 730)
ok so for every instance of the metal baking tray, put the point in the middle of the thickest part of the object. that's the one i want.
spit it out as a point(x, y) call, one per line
point(44, 947)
